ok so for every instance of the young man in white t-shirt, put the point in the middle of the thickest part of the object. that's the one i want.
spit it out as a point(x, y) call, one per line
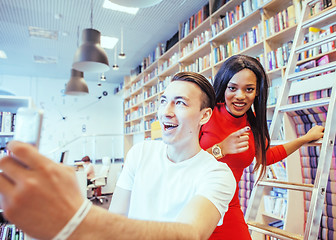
point(168, 190)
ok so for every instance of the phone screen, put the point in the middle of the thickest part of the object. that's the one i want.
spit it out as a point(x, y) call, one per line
point(28, 125)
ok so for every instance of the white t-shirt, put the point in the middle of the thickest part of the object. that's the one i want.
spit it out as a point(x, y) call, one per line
point(161, 188)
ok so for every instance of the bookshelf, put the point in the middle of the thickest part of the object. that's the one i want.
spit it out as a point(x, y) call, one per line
point(205, 41)
point(262, 29)
point(8, 109)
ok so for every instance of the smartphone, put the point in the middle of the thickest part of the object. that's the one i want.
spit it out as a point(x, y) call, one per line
point(28, 125)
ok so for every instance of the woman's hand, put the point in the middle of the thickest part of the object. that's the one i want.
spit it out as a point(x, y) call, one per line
point(314, 134)
point(236, 142)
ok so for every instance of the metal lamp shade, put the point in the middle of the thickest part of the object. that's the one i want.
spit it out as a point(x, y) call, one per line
point(76, 85)
point(90, 56)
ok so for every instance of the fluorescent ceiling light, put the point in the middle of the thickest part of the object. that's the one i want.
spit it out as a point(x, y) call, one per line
point(42, 33)
point(108, 42)
point(45, 60)
point(107, 4)
point(3, 54)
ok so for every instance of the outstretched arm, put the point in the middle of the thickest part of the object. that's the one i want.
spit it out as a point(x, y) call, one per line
point(40, 197)
point(313, 134)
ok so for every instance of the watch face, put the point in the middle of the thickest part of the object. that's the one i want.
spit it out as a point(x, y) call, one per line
point(216, 151)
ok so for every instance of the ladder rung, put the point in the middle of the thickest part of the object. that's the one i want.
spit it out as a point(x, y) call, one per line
point(304, 105)
point(281, 142)
point(287, 185)
point(312, 71)
point(317, 43)
point(273, 231)
point(319, 18)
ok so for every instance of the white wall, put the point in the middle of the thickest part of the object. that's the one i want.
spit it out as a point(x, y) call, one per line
point(65, 116)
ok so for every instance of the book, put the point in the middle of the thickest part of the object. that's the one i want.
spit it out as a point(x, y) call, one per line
point(313, 35)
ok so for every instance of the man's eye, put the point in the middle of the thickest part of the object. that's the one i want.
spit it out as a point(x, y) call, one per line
point(180, 103)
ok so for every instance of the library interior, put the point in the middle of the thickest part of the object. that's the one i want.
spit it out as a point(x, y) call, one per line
point(85, 82)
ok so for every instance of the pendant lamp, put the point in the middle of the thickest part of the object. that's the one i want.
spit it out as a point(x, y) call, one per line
point(122, 55)
point(90, 56)
point(115, 65)
point(76, 85)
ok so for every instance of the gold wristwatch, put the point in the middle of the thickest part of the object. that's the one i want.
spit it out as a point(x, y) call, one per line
point(216, 151)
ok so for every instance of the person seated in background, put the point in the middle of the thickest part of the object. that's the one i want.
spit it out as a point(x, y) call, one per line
point(169, 189)
point(88, 169)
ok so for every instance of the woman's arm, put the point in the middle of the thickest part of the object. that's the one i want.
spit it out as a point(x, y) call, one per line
point(313, 134)
point(236, 142)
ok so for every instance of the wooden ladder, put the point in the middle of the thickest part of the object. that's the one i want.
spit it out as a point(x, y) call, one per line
point(293, 84)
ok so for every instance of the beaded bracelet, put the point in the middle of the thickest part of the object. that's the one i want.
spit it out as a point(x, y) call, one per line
point(70, 227)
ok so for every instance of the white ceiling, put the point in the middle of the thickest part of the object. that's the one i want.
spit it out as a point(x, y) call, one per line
point(142, 33)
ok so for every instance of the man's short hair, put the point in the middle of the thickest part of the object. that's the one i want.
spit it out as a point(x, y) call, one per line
point(208, 92)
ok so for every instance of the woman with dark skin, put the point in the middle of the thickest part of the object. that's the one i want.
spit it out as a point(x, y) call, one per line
point(237, 132)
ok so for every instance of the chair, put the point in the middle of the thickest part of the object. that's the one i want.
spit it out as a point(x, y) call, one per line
point(98, 182)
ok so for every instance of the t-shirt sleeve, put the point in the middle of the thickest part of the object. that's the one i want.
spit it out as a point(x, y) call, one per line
point(126, 178)
point(275, 154)
point(219, 187)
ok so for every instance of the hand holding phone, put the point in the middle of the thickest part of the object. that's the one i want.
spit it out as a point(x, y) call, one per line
point(28, 125)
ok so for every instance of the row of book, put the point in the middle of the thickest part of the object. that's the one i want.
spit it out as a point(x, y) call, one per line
point(273, 94)
point(148, 123)
point(277, 171)
point(238, 44)
point(7, 122)
point(276, 203)
point(151, 107)
point(313, 35)
point(195, 43)
point(229, 18)
point(199, 65)
point(195, 20)
point(169, 62)
point(152, 57)
point(135, 128)
point(280, 21)
point(279, 57)
point(159, 87)
point(320, 6)
point(11, 232)
point(277, 224)
point(148, 77)
point(246, 184)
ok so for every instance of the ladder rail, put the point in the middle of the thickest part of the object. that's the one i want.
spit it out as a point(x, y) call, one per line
point(322, 173)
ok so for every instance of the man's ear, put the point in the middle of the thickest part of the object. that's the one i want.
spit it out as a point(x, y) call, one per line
point(206, 114)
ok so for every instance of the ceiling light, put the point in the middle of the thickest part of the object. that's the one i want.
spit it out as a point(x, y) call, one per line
point(137, 4)
point(115, 65)
point(42, 33)
point(90, 56)
point(76, 85)
point(118, 7)
point(122, 55)
point(103, 78)
point(45, 60)
point(108, 42)
point(3, 54)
